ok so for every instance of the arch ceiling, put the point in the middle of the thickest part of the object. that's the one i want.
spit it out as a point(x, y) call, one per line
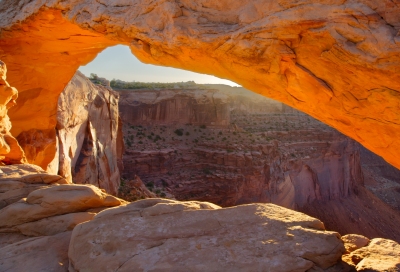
point(336, 60)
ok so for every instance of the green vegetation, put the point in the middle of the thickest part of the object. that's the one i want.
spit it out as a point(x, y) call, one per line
point(119, 84)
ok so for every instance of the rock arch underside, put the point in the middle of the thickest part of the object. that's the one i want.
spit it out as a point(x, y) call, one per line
point(336, 60)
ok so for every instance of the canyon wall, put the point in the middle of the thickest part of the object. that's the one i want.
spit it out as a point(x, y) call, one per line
point(268, 152)
point(167, 107)
point(89, 134)
point(232, 164)
point(339, 56)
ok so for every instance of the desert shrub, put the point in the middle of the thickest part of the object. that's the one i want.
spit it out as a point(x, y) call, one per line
point(179, 132)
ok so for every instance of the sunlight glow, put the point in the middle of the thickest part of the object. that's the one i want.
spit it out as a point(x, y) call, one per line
point(118, 63)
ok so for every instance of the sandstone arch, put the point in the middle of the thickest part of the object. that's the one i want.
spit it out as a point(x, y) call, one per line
point(336, 60)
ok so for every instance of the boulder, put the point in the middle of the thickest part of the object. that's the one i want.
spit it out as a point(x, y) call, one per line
point(18, 181)
point(52, 201)
point(166, 235)
point(379, 255)
point(354, 241)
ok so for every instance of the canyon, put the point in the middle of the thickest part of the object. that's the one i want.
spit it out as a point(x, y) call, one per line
point(229, 146)
point(335, 60)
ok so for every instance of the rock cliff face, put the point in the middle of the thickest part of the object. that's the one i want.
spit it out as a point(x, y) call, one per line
point(246, 160)
point(268, 153)
point(339, 56)
point(88, 133)
point(166, 107)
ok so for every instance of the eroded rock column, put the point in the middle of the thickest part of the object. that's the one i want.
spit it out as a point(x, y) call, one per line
point(10, 151)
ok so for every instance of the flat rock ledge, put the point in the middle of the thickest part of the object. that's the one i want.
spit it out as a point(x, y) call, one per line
point(165, 235)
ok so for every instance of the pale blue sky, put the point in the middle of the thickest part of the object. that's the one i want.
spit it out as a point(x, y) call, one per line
point(119, 63)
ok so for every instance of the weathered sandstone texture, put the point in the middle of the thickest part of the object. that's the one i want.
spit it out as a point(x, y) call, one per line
point(38, 212)
point(18, 181)
point(10, 151)
point(47, 253)
point(335, 60)
point(88, 132)
point(167, 235)
point(379, 255)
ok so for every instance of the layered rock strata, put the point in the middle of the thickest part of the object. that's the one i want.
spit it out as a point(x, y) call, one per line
point(268, 152)
point(41, 212)
point(89, 134)
point(239, 148)
point(18, 181)
point(341, 56)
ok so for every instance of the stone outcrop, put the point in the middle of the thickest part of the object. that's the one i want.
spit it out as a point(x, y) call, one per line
point(339, 56)
point(39, 214)
point(378, 255)
point(168, 235)
point(88, 132)
point(10, 150)
point(50, 202)
point(134, 189)
point(353, 242)
point(18, 181)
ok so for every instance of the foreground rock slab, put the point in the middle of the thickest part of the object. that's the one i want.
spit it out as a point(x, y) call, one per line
point(18, 181)
point(48, 253)
point(50, 202)
point(165, 235)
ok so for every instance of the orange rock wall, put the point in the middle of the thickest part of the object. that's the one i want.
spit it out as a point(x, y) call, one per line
point(336, 60)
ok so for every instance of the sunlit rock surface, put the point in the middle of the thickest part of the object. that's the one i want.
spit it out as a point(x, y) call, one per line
point(168, 235)
point(10, 150)
point(88, 133)
point(336, 60)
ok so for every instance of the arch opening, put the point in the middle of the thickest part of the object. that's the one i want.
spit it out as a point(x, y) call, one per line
point(305, 62)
